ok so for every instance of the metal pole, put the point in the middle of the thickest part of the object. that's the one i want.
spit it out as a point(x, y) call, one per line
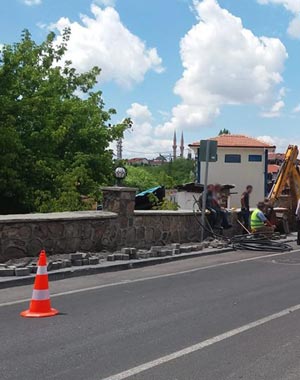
point(205, 189)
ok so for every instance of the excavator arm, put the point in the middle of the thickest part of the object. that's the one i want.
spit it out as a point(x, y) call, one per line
point(288, 175)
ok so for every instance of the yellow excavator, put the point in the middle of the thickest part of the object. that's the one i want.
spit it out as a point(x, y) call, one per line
point(285, 191)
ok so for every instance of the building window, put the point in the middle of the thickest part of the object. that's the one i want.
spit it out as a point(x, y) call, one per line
point(255, 158)
point(233, 158)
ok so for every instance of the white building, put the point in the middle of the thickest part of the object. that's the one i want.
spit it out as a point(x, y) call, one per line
point(241, 161)
point(138, 161)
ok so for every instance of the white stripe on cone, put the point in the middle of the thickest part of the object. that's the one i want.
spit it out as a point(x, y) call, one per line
point(40, 295)
point(42, 270)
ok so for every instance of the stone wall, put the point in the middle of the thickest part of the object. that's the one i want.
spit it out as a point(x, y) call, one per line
point(26, 235)
point(94, 231)
point(163, 227)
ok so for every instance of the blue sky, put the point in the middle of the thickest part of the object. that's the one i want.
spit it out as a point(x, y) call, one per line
point(191, 66)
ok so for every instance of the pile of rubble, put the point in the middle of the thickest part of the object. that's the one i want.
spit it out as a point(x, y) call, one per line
point(25, 267)
point(162, 251)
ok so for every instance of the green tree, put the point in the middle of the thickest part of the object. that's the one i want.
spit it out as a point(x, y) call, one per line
point(182, 171)
point(143, 179)
point(54, 130)
point(165, 204)
point(168, 175)
point(175, 172)
point(224, 131)
point(140, 178)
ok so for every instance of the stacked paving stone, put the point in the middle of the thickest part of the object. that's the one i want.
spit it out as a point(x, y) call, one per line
point(156, 251)
point(12, 270)
point(76, 259)
point(59, 264)
point(81, 259)
point(86, 259)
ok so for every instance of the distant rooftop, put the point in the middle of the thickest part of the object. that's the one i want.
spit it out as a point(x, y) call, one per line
point(276, 156)
point(273, 168)
point(137, 159)
point(239, 141)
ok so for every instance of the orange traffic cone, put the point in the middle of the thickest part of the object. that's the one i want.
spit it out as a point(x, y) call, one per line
point(40, 305)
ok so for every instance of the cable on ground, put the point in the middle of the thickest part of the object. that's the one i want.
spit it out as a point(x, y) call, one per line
point(250, 242)
point(258, 242)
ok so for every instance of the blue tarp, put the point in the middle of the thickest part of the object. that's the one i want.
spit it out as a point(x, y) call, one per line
point(148, 191)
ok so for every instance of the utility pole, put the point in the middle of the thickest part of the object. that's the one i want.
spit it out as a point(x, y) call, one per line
point(205, 189)
point(207, 152)
point(119, 149)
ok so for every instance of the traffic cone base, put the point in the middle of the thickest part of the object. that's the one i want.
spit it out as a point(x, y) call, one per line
point(32, 314)
point(40, 305)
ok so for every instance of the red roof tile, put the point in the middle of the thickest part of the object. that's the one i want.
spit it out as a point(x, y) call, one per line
point(273, 168)
point(276, 156)
point(136, 159)
point(238, 141)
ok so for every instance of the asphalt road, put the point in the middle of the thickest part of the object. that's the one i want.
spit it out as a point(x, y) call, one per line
point(227, 317)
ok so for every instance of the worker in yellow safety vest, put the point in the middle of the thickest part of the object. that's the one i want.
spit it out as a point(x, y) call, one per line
point(259, 222)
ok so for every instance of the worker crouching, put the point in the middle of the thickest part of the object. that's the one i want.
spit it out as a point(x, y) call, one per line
point(259, 222)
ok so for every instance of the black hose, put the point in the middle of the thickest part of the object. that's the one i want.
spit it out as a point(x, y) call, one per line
point(210, 230)
point(254, 242)
point(250, 242)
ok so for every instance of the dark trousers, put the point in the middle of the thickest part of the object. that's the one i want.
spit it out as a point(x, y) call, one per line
point(222, 218)
point(245, 214)
point(298, 232)
point(212, 217)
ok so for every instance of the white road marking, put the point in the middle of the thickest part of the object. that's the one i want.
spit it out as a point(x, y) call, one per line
point(97, 287)
point(201, 345)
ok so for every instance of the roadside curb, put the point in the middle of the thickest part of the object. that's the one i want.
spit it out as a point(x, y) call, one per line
point(116, 266)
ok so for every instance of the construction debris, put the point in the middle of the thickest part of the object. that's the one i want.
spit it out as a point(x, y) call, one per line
point(28, 266)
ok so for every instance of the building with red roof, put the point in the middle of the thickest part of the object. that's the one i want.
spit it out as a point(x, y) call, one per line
point(138, 161)
point(242, 161)
point(237, 141)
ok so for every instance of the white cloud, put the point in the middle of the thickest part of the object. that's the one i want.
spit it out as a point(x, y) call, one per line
point(281, 143)
point(105, 3)
point(32, 2)
point(224, 64)
point(297, 109)
point(42, 25)
point(164, 114)
point(277, 107)
point(292, 6)
point(139, 113)
point(102, 40)
point(275, 110)
point(140, 141)
point(282, 93)
point(294, 27)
